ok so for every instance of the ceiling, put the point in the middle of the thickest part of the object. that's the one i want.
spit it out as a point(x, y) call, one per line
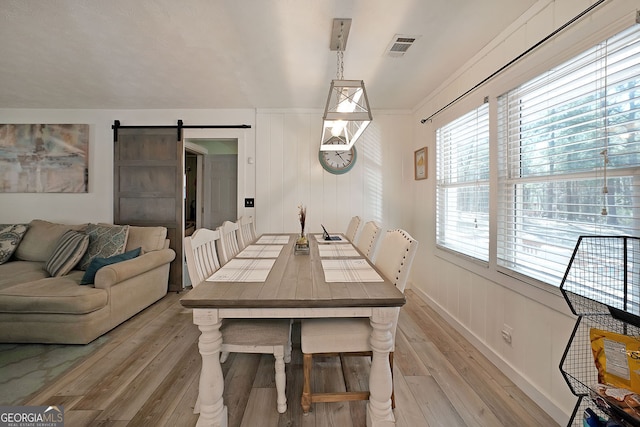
point(148, 54)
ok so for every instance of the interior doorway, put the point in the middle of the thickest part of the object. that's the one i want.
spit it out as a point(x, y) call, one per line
point(211, 184)
point(192, 193)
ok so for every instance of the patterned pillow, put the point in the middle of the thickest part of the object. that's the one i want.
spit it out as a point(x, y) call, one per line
point(10, 236)
point(70, 248)
point(104, 241)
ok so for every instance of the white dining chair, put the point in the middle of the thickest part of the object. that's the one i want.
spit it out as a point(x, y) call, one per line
point(228, 244)
point(368, 239)
point(247, 231)
point(350, 336)
point(263, 336)
point(201, 254)
point(352, 228)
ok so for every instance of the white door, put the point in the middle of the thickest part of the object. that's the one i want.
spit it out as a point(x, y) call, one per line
point(220, 189)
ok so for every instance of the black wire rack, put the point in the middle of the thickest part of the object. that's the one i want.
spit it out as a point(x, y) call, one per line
point(602, 287)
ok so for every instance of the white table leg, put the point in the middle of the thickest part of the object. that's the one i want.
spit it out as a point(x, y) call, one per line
point(281, 380)
point(211, 407)
point(379, 411)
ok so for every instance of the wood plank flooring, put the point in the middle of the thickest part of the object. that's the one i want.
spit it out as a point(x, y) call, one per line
point(147, 372)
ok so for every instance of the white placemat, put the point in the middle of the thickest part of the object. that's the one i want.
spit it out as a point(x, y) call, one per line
point(349, 270)
point(338, 250)
point(320, 239)
point(243, 270)
point(270, 240)
point(260, 251)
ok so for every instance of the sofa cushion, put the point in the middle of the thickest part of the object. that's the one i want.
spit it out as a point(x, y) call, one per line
point(14, 272)
point(60, 295)
point(148, 238)
point(97, 263)
point(68, 252)
point(41, 239)
point(104, 241)
point(10, 237)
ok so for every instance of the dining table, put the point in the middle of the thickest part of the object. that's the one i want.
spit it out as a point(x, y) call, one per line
point(271, 279)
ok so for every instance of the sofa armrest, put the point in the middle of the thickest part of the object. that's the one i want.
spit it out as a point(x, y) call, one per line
point(115, 273)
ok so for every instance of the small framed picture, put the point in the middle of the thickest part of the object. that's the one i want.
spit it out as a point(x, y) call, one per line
point(420, 163)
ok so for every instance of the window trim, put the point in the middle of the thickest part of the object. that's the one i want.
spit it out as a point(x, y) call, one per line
point(450, 179)
point(518, 146)
point(565, 46)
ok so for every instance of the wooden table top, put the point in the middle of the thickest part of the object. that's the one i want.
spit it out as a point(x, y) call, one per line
point(295, 281)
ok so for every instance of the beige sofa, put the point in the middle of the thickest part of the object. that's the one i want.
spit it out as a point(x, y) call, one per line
point(38, 308)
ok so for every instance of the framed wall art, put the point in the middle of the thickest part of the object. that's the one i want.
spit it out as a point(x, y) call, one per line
point(44, 158)
point(420, 163)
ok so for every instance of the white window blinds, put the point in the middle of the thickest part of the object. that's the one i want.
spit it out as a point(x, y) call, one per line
point(569, 159)
point(462, 157)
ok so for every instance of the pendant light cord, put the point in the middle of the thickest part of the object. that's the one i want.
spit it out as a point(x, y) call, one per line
point(340, 55)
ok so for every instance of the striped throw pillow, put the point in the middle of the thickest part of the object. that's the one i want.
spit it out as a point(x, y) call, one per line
point(69, 250)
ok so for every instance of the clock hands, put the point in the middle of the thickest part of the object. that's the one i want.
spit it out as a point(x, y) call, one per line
point(338, 154)
point(337, 162)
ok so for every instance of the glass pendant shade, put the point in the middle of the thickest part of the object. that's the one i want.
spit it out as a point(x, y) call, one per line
point(346, 115)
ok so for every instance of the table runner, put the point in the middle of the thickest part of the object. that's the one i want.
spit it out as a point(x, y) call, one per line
point(260, 251)
point(339, 250)
point(270, 240)
point(349, 270)
point(243, 270)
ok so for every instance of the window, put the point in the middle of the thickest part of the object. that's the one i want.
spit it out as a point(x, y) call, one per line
point(462, 156)
point(569, 158)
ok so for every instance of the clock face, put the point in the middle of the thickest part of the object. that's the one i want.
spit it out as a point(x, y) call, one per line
point(338, 162)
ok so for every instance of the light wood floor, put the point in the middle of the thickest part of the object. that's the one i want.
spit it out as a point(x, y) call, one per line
point(146, 374)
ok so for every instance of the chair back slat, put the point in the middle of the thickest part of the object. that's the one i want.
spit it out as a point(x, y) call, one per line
point(201, 254)
point(247, 231)
point(228, 243)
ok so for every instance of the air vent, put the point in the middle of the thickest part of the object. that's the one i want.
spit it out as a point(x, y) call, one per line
point(400, 44)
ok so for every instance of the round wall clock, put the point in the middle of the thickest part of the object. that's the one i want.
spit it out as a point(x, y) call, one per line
point(338, 162)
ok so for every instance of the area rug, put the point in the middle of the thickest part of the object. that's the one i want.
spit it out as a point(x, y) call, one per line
point(25, 368)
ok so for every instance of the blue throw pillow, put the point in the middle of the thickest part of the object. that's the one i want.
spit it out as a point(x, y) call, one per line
point(97, 263)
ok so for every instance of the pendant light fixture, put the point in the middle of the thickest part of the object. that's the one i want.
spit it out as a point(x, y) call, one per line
point(347, 113)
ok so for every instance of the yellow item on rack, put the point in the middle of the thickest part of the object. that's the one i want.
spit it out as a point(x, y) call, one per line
point(617, 358)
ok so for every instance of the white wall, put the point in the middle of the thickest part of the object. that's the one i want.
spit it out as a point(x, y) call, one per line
point(474, 298)
point(285, 170)
point(290, 174)
point(97, 204)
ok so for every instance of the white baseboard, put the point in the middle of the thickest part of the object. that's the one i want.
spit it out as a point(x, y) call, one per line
point(522, 383)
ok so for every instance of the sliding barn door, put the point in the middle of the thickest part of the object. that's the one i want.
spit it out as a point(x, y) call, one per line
point(148, 185)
